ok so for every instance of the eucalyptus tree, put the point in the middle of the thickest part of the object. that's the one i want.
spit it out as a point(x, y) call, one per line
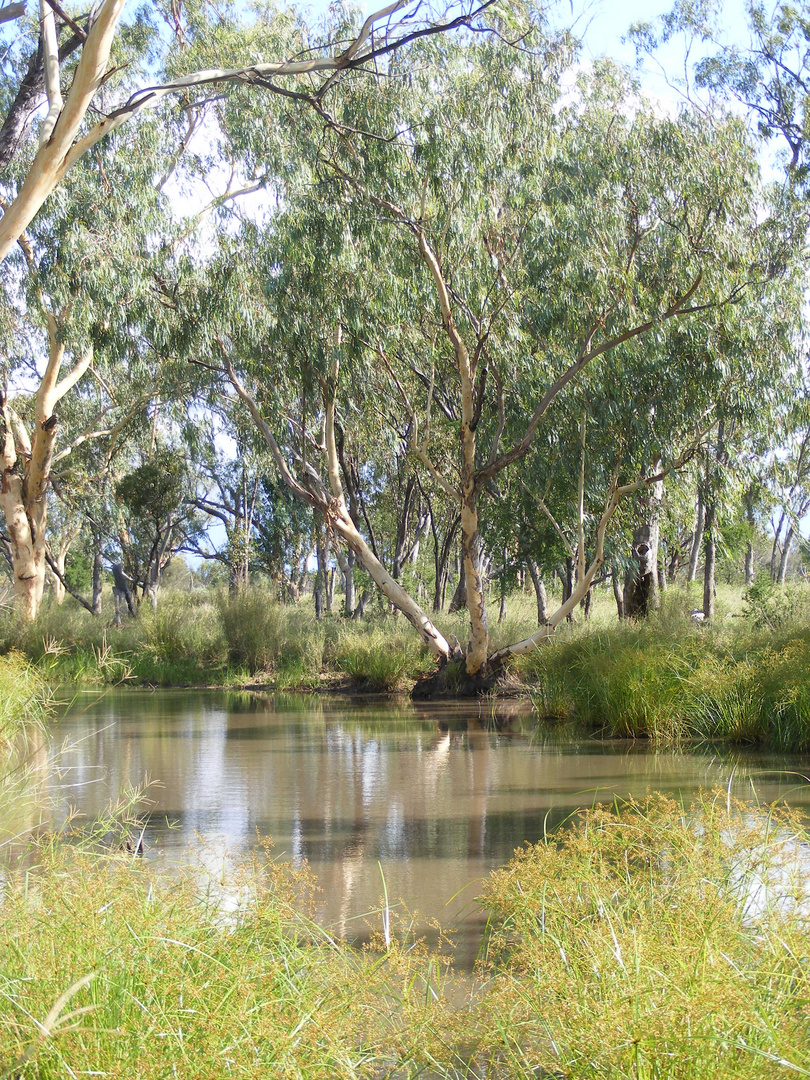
point(785, 473)
point(556, 269)
point(82, 68)
point(78, 294)
point(160, 516)
point(547, 251)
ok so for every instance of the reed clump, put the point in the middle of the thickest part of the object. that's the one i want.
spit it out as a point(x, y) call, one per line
point(652, 941)
point(666, 682)
point(24, 699)
point(386, 656)
point(154, 977)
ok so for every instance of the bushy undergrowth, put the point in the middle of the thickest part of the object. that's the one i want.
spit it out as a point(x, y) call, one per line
point(652, 942)
point(381, 657)
point(745, 678)
point(263, 635)
point(648, 942)
point(672, 678)
point(213, 639)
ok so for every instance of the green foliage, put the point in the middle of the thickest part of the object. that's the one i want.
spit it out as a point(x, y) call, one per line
point(160, 977)
point(672, 679)
point(155, 489)
point(770, 606)
point(380, 657)
point(263, 636)
point(652, 941)
point(181, 643)
point(24, 698)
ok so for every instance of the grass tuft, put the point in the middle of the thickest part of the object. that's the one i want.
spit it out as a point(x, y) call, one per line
point(652, 941)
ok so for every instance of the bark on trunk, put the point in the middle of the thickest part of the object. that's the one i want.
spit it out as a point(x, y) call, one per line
point(321, 552)
point(441, 560)
point(618, 593)
point(783, 562)
point(98, 572)
point(569, 582)
point(749, 550)
point(59, 591)
point(697, 538)
point(539, 592)
point(641, 583)
point(710, 556)
point(459, 601)
point(403, 526)
point(470, 540)
point(777, 534)
point(346, 560)
point(23, 502)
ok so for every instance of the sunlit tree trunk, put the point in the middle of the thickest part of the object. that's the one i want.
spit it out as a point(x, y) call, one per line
point(697, 537)
point(749, 548)
point(25, 461)
point(783, 561)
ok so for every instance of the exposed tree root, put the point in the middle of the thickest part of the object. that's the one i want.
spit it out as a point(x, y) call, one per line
point(451, 681)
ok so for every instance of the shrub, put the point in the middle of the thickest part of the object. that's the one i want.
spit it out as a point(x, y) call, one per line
point(262, 635)
point(652, 941)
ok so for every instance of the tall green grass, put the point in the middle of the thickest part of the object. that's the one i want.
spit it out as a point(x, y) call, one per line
point(642, 943)
point(108, 969)
point(651, 941)
point(667, 682)
point(24, 699)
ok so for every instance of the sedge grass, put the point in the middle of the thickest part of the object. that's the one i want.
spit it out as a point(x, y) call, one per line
point(642, 943)
point(228, 979)
point(24, 699)
point(670, 680)
point(647, 941)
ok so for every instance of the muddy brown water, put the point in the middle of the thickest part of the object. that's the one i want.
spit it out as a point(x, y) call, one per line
point(431, 797)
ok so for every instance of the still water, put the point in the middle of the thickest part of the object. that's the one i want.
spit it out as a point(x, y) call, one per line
point(434, 797)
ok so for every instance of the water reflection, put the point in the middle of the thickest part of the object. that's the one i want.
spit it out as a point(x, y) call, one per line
point(438, 796)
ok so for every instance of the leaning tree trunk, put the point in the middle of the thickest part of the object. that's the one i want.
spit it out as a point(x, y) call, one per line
point(333, 504)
